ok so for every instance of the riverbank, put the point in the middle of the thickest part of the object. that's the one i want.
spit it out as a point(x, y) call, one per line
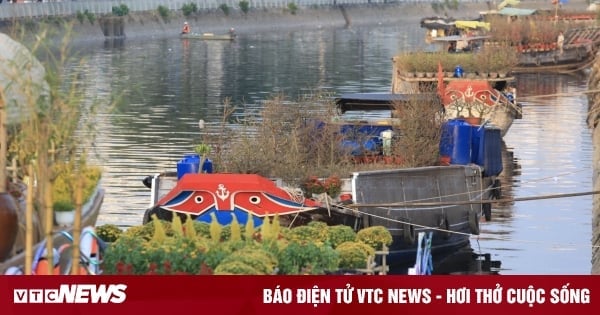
point(150, 25)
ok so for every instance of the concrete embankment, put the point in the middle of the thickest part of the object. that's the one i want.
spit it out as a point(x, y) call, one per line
point(143, 25)
point(138, 25)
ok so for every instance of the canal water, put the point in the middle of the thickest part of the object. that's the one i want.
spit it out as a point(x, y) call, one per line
point(168, 85)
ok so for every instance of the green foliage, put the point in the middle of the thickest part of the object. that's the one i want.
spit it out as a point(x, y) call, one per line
point(339, 234)
point(307, 258)
point(235, 268)
point(260, 261)
point(120, 10)
point(353, 255)
point(158, 248)
point(108, 232)
point(375, 236)
point(225, 8)
point(90, 16)
point(65, 184)
point(244, 6)
point(249, 229)
point(80, 16)
point(292, 7)
point(215, 228)
point(146, 231)
point(163, 12)
point(131, 255)
point(202, 149)
point(236, 230)
point(63, 206)
point(308, 234)
point(189, 8)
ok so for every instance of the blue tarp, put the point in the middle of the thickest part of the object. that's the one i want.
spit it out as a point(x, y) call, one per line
point(516, 11)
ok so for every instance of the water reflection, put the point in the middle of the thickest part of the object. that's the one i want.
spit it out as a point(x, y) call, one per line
point(462, 261)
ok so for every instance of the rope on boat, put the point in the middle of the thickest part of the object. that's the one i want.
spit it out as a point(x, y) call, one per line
point(470, 202)
point(560, 94)
point(433, 228)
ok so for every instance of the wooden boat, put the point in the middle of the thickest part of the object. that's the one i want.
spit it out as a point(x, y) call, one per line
point(444, 199)
point(579, 48)
point(210, 36)
point(61, 235)
point(484, 98)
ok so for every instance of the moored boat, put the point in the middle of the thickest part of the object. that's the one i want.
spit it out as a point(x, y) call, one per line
point(61, 236)
point(210, 36)
point(447, 200)
point(534, 39)
point(480, 96)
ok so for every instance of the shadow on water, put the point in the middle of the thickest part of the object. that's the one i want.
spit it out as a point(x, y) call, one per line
point(464, 261)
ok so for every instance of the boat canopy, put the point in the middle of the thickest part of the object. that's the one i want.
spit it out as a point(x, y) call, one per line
point(454, 38)
point(377, 101)
point(472, 25)
point(517, 12)
point(437, 22)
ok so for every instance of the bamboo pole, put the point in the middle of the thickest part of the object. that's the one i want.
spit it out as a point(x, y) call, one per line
point(29, 222)
point(77, 224)
point(49, 224)
point(3, 141)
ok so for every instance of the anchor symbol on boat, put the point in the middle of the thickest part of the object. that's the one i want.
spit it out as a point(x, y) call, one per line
point(222, 192)
point(469, 92)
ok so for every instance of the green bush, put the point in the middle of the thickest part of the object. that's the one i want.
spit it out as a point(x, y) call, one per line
point(108, 232)
point(120, 10)
point(308, 258)
point(261, 261)
point(339, 234)
point(63, 206)
point(292, 7)
point(375, 236)
point(90, 16)
point(163, 12)
point(189, 8)
point(244, 6)
point(354, 255)
point(225, 8)
point(80, 16)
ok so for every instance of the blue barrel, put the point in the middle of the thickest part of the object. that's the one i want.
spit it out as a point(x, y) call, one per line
point(191, 163)
point(351, 146)
point(458, 72)
point(207, 166)
point(477, 146)
point(492, 151)
point(373, 145)
point(446, 142)
point(461, 139)
point(187, 165)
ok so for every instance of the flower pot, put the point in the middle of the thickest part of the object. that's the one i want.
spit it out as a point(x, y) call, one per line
point(64, 218)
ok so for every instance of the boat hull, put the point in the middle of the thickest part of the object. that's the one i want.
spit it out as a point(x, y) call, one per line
point(89, 216)
point(208, 36)
point(572, 59)
point(427, 199)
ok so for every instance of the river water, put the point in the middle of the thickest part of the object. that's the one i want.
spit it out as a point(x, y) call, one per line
point(167, 85)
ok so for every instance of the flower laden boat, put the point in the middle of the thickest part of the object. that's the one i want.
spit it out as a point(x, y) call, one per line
point(447, 200)
point(227, 197)
point(541, 43)
point(473, 96)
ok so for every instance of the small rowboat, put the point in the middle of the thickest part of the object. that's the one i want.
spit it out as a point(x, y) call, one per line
point(210, 36)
